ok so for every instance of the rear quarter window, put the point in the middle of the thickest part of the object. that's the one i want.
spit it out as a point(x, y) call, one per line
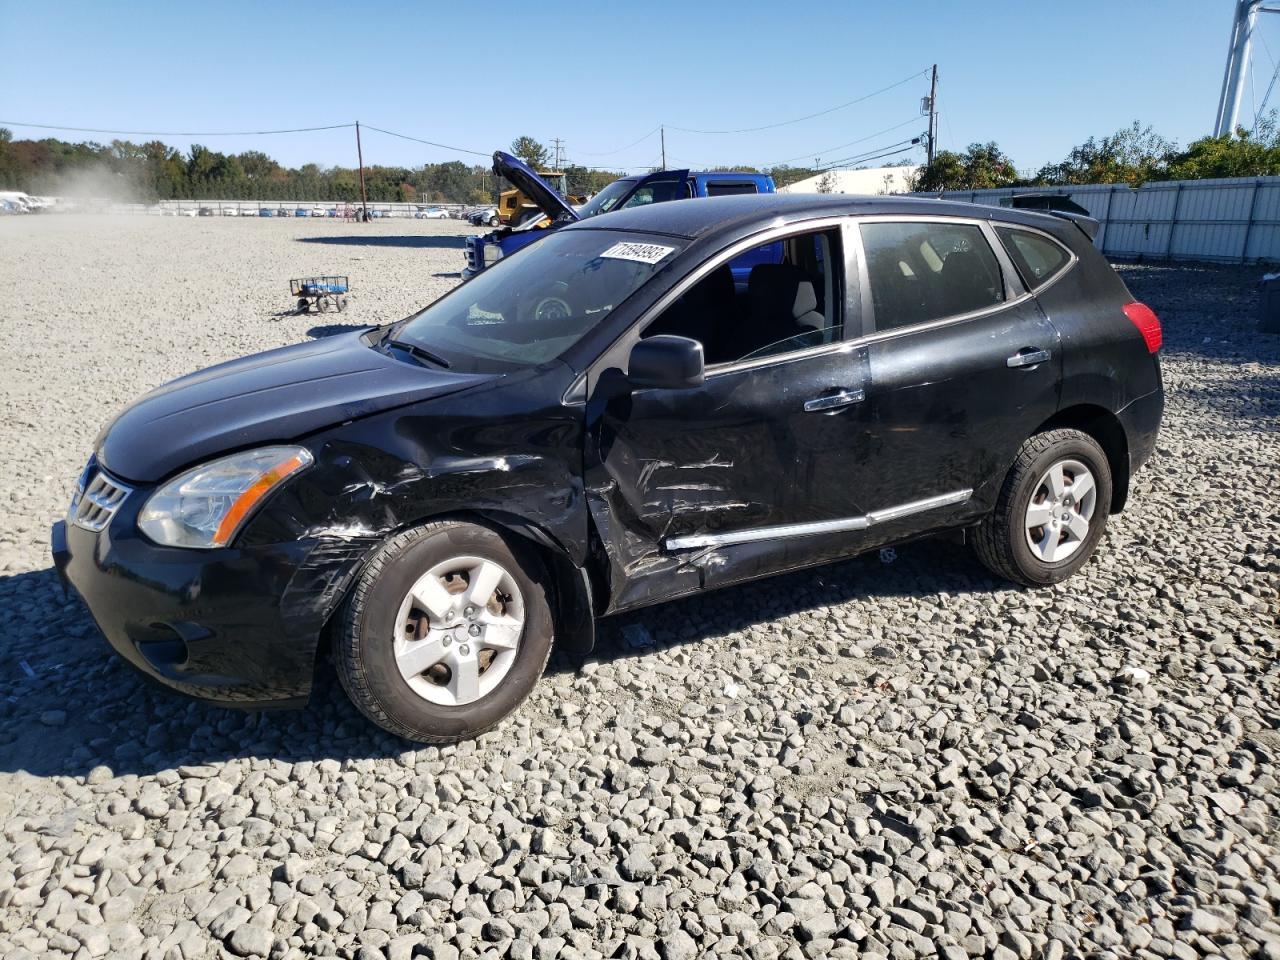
point(1037, 258)
point(729, 189)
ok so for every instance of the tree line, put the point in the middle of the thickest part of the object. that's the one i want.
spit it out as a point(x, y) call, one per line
point(152, 171)
point(1133, 156)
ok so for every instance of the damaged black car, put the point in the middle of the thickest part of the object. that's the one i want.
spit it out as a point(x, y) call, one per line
point(607, 419)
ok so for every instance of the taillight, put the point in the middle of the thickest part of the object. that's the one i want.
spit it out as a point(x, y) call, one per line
point(1148, 324)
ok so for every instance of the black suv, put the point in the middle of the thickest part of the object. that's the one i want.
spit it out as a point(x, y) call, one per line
point(605, 420)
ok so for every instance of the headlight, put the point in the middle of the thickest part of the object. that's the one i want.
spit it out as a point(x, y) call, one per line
point(492, 253)
point(206, 506)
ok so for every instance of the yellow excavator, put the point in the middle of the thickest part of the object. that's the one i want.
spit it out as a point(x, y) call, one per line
point(515, 208)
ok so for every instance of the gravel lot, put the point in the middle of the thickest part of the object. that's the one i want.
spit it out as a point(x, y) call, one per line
point(893, 756)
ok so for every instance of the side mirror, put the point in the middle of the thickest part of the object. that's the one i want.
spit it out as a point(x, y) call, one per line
point(666, 362)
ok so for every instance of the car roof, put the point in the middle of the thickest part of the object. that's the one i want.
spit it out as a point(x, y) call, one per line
point(707, 216)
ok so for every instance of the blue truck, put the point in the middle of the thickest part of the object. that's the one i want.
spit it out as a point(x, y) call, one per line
point(485, 250)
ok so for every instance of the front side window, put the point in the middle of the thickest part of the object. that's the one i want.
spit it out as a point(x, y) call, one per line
point(792, 300)
point(1037, 258)
point(534, 306)
point(922, 271)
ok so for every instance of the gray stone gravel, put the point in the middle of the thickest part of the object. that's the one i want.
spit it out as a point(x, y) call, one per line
point(892, 756)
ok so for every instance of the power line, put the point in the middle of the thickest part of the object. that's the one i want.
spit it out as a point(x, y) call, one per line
point(181, 133)
point(890, 150)
point(810, 116)
point(607, 153)
point(431, 143)
point(841, 146)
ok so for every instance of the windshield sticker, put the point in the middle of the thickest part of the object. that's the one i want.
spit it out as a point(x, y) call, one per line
point(649, 253)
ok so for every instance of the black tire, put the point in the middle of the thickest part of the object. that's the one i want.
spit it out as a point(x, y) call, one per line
point(342, 304)
point(1001, 541)
point(303, 305)
point(493, 221)
point(366, 663)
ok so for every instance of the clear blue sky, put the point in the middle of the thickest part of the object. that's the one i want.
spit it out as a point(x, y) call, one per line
point(1037, 77)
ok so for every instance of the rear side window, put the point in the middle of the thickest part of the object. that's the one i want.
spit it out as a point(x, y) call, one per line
point(728, 189)
point(925, 271)
point(1037, 258)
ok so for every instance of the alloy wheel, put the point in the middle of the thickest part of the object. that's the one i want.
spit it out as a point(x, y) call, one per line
point(458, 630)
point(1060, 511)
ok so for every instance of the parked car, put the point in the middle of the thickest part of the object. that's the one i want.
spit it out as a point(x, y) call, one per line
point(432, 213)
point(604, 422)
point(266, 212)
point(302, 212)
point(660, 187)
point(485, 216)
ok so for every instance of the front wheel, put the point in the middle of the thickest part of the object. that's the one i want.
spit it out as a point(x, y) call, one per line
point(1052, 510)
point(446, 632)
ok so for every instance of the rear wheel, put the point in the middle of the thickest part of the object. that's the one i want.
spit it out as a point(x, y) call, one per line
point(1052, 510)
point(446, 632)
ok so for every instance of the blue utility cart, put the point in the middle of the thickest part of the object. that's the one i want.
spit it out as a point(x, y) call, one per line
point(324, 292)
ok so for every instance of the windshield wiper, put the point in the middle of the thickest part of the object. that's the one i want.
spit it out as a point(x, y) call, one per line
point(422, 353)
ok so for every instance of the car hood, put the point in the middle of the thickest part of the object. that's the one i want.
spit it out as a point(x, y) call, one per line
point(270, 397)
point(521, 175)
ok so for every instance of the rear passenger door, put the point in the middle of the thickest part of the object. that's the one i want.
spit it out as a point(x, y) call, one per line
point(963, 367)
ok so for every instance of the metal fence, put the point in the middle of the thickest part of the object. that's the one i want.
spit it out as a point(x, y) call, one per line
point(1234, 220)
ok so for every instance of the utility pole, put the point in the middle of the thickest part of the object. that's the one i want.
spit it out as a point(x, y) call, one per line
point(662, 132)
point(556, 162)
point(933, 114)
point(364, 198)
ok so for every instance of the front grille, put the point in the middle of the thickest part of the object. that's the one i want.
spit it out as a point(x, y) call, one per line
point(475, 254)
point(97, 499)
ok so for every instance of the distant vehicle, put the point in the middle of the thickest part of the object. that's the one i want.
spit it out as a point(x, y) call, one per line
point(230, 211)
point(181, 212)
point(266, 212)
point(485, 216)
point(484, 250)
point(432, 213)
point(18, 202)
point(317, 212)
point(284, 212)
point(1044, 201)
point(206, 211)
point(302, 212)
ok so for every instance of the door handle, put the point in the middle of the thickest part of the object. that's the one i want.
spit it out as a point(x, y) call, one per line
point(1028, 357)
point(834, 401)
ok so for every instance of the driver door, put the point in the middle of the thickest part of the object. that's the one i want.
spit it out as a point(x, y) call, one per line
point(699, 487)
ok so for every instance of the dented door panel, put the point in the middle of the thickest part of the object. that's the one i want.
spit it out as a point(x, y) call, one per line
point(739, 453)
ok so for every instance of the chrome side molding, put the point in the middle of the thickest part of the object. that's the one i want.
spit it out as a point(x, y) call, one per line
point(820, 526)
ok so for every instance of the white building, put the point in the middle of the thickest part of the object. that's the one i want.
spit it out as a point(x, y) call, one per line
point(876, 180)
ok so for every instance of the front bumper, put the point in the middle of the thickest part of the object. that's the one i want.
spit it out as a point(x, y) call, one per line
point(232, 626)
